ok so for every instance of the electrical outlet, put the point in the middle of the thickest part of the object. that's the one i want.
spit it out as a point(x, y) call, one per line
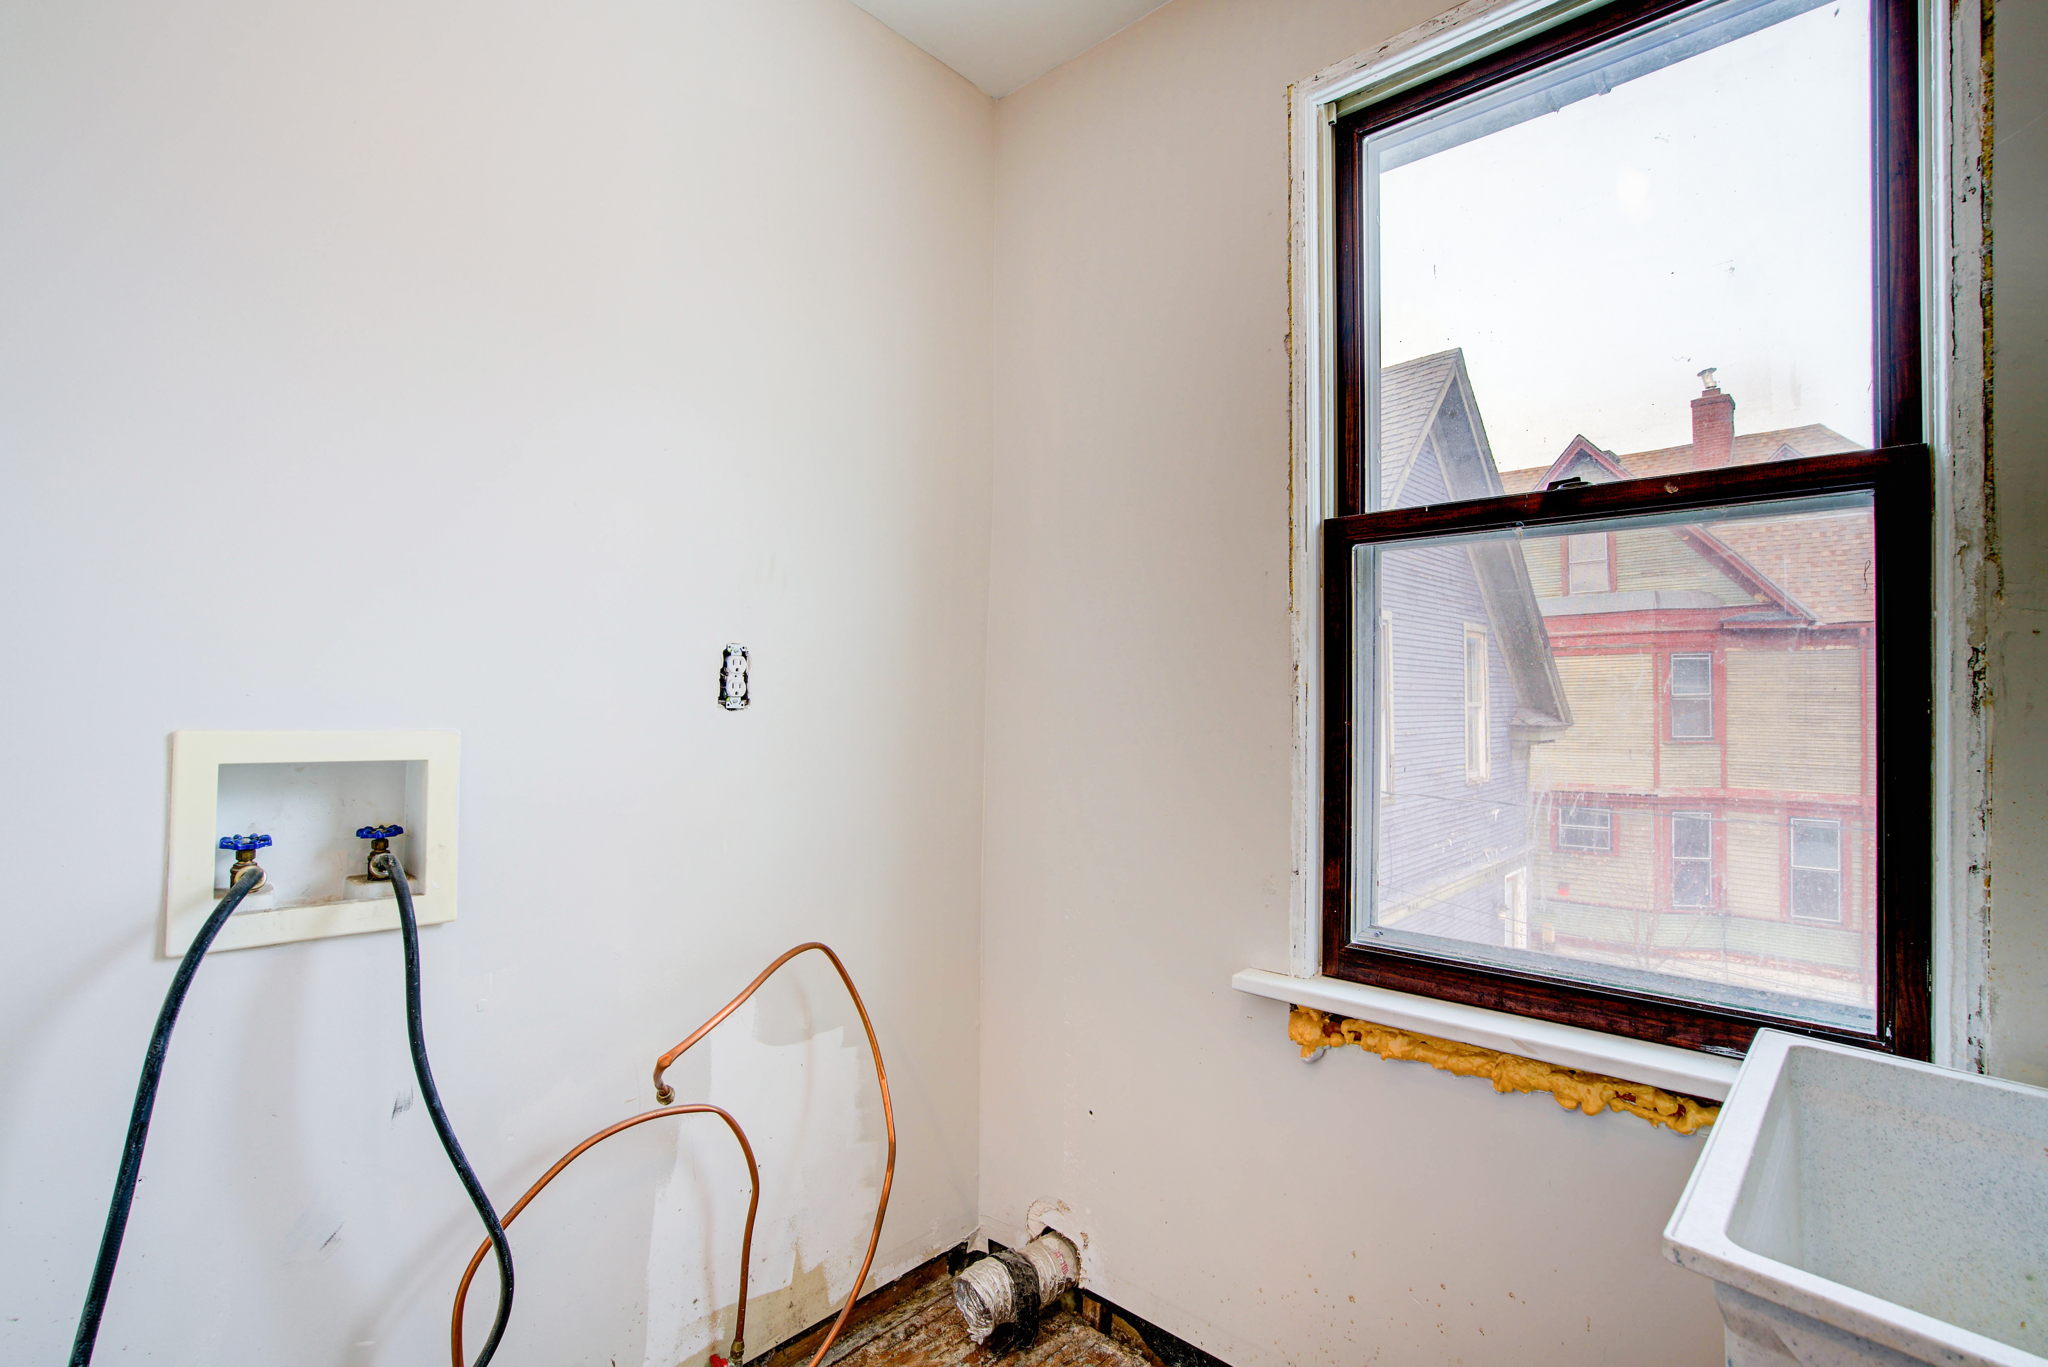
point(734, 689)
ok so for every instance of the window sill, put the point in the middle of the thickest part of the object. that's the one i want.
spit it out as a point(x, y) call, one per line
point(1568, 1046)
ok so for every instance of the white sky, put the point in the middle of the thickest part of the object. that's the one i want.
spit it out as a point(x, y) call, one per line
point(1589, 261)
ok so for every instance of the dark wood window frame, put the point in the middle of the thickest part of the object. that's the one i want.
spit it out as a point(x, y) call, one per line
point(1897, 475)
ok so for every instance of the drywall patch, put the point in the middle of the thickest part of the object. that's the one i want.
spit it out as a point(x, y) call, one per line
point(1590, 1093)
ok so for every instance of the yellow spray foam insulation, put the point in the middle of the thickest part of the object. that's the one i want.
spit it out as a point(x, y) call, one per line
point(1590, 1093)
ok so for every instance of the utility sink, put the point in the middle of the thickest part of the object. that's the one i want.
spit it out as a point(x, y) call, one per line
point(1854, 1208)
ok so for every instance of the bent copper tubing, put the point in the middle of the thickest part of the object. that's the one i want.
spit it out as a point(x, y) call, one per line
point(665, 1094)
point(739, 1328)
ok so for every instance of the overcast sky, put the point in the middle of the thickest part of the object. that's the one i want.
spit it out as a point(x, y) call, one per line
point(1589, 261)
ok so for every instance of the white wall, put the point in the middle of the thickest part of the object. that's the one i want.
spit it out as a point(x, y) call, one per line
point(1137, 848)
point(662, 325)
point(496, 363)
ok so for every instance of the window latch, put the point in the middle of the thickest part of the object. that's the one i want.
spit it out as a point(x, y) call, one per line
point(1569, 482)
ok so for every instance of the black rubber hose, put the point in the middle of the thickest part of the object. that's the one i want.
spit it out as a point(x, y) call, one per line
point(138, 1119)
point(409, 930)
point(152, 1071)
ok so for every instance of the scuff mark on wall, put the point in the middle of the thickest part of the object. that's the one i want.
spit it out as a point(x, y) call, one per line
point(1590, 1093)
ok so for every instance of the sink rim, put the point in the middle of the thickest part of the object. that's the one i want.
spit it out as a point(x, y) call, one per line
point(1697, 1236)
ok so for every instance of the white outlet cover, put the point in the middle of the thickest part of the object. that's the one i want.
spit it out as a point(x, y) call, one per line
point(189, 893)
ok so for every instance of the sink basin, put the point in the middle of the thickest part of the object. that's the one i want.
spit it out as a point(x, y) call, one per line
point(1855, 1208)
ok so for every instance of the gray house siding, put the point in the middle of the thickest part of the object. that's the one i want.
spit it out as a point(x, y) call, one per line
point(1444, 843)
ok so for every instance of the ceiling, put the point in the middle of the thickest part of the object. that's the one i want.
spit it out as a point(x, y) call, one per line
point(1002, 44)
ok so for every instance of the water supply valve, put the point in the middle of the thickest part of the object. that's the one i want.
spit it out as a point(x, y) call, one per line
point(245, 847)
point(380, 843)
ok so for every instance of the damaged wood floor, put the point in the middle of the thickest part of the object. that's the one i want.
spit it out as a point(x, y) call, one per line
point(924, 1330)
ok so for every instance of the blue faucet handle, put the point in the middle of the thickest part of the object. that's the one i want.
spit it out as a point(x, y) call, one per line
point(244, 843)
point(377, 832)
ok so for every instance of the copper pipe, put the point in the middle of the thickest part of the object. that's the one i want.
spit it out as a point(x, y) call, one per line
point(664, 1094)
point(739, 1328)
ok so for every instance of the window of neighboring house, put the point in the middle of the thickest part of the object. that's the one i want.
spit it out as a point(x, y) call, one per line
point(1514, 911)
point(1478, 717)
point(1494, 287)
point(1692, 859)
point(1587, 563)
point(1580, 827)
point(1817, 870)
point(1691, 696)
point(1383, 667)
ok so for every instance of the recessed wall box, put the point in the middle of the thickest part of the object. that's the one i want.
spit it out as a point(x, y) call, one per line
point(311, 791)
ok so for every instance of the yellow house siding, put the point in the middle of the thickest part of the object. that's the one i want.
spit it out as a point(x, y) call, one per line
point(1755, 846)
point(1543, 555)
point(1620, 879)
point(1795, 719)
point(1608, 745)
point(1690, 764)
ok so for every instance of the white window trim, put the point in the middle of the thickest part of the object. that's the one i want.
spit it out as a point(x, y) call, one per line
point(1708, 860)
point(1478, 768)
point(1794, 868)
point(1383, 704)
point(1566, 807)
point(1952, 223)
point(1574, 562)
point(1672, 695)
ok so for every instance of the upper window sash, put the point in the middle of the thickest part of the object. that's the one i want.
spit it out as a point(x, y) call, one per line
point(1897, 400)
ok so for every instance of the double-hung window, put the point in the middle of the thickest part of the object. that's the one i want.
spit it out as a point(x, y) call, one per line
point(1692, 860)
point(1626, 429)
point(1816, 883)
point(1588, 566)
point(1691, 697)
point(1478, 714)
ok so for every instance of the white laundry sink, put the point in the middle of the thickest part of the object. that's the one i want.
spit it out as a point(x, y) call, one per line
point(1854, 1208)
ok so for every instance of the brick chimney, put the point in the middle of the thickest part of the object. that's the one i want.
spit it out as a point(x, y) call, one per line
point(1713, 425)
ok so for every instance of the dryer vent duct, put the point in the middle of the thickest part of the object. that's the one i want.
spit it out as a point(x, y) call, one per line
point(1011, 1287)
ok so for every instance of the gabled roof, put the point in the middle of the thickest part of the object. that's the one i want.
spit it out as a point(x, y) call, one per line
point(1816, 569)
point(1411, 394)
point(1427, 411)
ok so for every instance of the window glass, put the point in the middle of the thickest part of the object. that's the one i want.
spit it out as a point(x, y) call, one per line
point(1692, 697)
point(1585, 828)
point(1478, 731)
point(1586, 563)
point(1692, 859)
point(1561, 691)
point(1615, 250)
point(1383, 655)
point(1817, 870)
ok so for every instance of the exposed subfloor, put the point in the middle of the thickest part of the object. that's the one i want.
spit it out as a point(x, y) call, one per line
point(924, 1330)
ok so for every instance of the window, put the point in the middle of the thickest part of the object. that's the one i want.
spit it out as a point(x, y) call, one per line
point(1587, 564)
point(1817, 870)
point(1383, 655)
point(1692, 859)
point(1691, 697)
point(1478, 720)
point(1521, 246)
point(1514, 897)
point(1580, 827)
